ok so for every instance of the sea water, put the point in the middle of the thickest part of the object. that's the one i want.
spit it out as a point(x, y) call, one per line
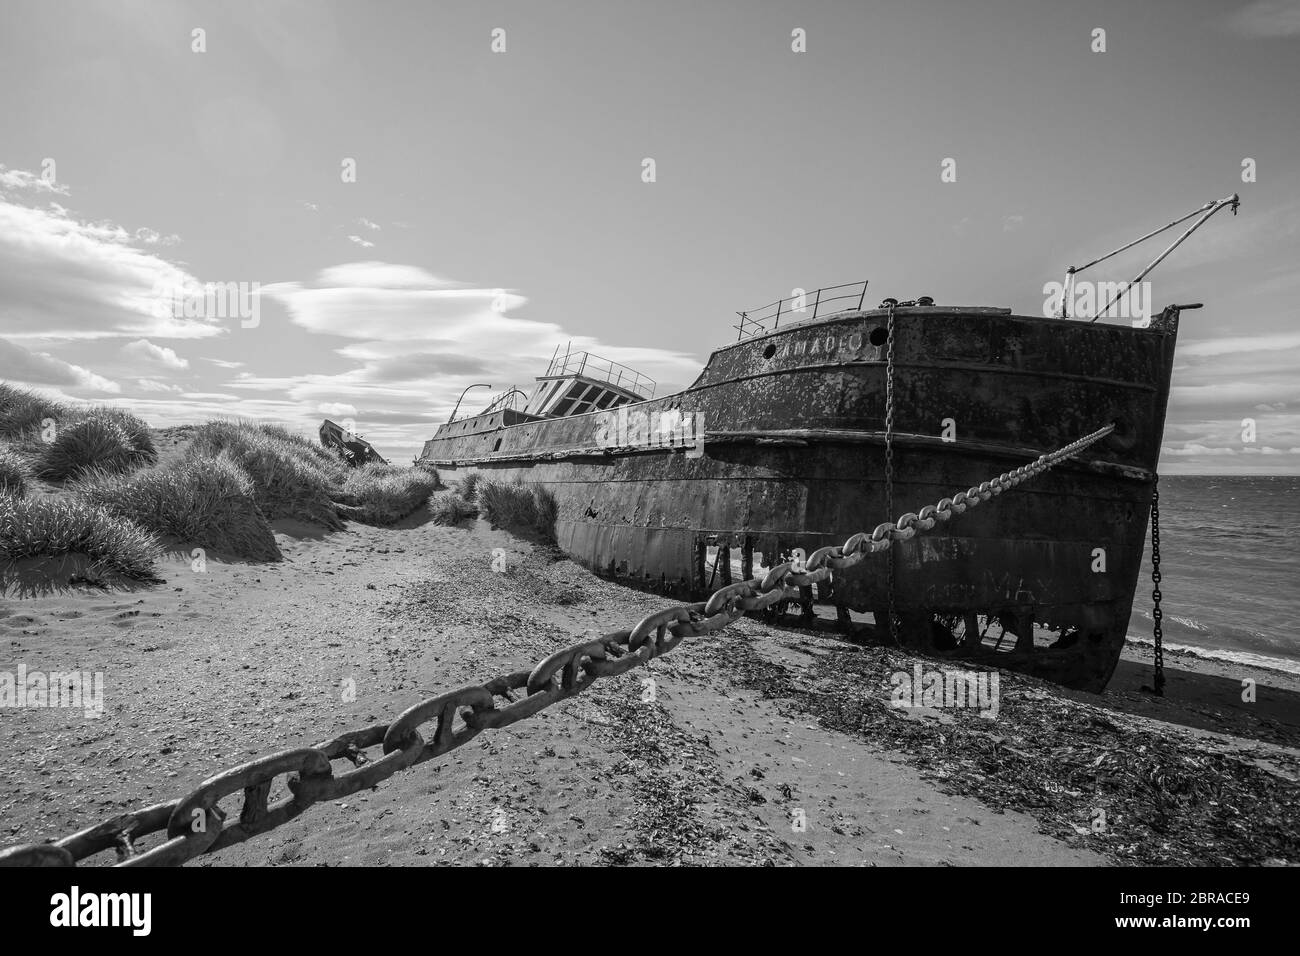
point(1230, 563)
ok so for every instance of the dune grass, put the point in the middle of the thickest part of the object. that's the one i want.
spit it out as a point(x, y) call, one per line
point(519, 507)
point(63, 527)
point(328, 458)
point(450, 509)
point(36, 424)
point(290, 479)
point(14, 472)
point(100, 442)
point(203, 501)
point(140, 434)
point(468, 486)
point(383, 494)
point(22, 412)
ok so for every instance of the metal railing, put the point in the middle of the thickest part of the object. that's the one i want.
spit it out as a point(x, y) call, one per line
point(602, 370)
point(825, 301)
point(512, 400)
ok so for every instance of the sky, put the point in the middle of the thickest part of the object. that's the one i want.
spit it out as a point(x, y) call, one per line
point(427, 195)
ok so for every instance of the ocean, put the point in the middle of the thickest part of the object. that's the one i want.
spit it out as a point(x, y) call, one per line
point(1230, 566)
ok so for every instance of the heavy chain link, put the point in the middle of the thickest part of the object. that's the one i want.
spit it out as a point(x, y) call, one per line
point(1157, 632)
point(195, 825)
point(889, 467)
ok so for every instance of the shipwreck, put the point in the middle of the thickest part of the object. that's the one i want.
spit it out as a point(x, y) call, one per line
point(827, 416)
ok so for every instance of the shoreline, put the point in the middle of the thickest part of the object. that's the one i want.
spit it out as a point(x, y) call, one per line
point(1276, 665)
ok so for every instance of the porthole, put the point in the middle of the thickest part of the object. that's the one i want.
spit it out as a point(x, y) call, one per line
point(879, 336)
point(769, 351)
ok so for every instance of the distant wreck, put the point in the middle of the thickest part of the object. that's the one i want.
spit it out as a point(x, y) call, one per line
point(351, 447)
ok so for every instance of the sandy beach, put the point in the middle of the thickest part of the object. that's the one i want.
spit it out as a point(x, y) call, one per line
point(759, 745)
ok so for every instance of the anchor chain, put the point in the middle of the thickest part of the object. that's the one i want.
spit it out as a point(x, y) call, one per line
point(1157, 615)
point(889, 464)
point(196, 825)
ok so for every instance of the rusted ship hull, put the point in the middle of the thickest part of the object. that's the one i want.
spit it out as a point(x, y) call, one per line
point(794, 457)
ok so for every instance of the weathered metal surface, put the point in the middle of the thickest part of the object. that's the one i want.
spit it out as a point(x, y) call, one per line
point(793, 456)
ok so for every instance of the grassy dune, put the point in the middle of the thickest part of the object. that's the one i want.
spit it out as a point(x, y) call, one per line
point(207, 502)
point(58, 441)
point(384, 494)
point(290, 479)
point(58, 527)
point(86, 481)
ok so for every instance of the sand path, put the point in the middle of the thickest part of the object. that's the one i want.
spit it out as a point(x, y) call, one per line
point(217, 667)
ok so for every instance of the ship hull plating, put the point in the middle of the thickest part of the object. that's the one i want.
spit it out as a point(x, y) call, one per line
point(793, 456)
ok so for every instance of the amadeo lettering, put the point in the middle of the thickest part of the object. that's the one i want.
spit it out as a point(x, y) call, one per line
point(826, 345)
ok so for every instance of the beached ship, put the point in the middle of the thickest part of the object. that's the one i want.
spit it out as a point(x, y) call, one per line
point(780, 444)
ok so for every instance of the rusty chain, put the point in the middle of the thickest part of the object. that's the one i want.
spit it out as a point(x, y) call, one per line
point(195, 825)
point(889, 465)
point(1157, 614)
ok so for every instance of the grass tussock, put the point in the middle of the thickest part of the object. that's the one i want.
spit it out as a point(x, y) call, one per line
point(30, 419)
point(290, 478)
point(383, 494)
point(23, 412)
point(468, 486)
point(59, 527)
point(140, 434)
point(203, 501)
point(104, 440)
point(519, 507)
point(14, 473)
point(450, 509)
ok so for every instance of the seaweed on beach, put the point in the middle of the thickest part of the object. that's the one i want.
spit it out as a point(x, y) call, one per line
point(1136, 796)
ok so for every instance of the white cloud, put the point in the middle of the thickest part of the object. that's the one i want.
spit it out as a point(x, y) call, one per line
point(22, 181)
point(1192, 448)
point(417, 339)
point(40, 368)
point(363, 221)
point(145, 351)
point(149, 385)
point(63, 278)
point(224, 364)
point(151, 237)
point(1242, 343)
point(337, 409)
point(362, 242)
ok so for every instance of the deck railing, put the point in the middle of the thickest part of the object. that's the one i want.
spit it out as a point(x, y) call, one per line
point(602, 370)
point(819, 303)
